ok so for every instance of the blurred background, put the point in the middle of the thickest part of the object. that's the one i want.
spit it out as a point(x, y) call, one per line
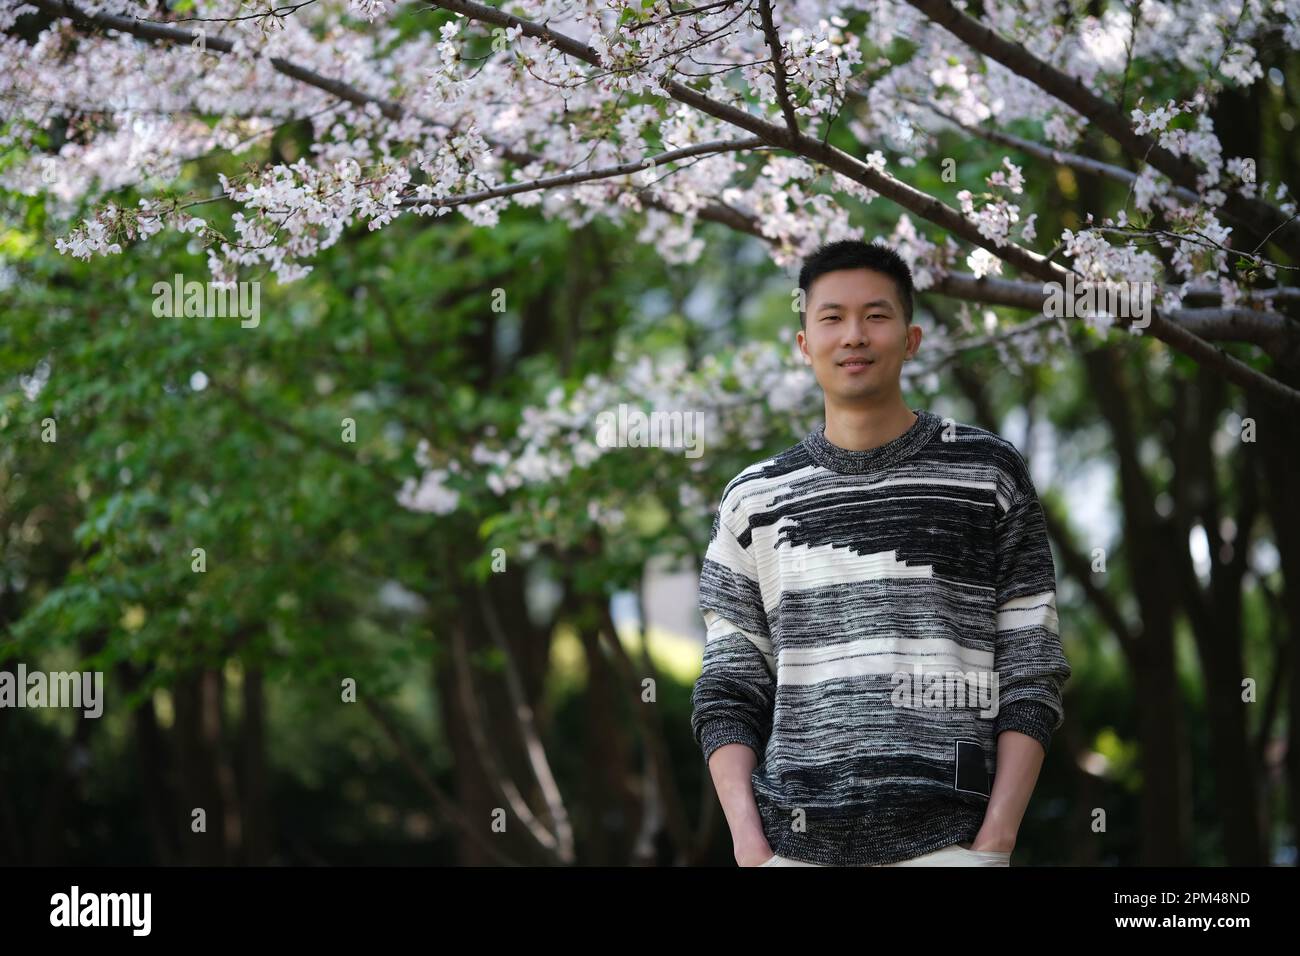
point(392, 484)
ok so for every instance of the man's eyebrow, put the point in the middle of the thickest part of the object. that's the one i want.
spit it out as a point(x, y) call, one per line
point(873, 304)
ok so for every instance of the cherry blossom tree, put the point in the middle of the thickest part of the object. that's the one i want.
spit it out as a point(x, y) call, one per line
point(775, 119)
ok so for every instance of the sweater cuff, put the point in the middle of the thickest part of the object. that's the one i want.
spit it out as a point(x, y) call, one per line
point(719, 731)
point(1030, 717)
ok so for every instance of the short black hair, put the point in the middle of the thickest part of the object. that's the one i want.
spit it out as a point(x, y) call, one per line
point(856, 254)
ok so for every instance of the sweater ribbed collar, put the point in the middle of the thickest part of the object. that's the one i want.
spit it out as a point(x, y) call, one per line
point(848, 462)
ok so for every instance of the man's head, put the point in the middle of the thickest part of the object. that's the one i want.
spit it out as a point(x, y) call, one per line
point(856, 254)
point(856, 325)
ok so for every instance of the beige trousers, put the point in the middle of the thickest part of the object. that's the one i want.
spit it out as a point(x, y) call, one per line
point(958, 854)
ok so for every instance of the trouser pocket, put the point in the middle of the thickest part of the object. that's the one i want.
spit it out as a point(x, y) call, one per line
point(993, 857)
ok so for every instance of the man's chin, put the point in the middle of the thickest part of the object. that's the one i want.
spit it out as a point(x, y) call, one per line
point(856, 394)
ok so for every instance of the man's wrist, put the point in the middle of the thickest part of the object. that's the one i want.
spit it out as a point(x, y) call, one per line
point(751, 844)
point(999, 824)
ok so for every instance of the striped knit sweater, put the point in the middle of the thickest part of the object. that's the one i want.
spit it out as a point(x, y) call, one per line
point(848, 596)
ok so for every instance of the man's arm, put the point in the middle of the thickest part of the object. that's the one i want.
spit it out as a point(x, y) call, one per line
point(1028, 658)
point(1020, 757)
point(732, 718)
point(733, 699)
point(732, 766)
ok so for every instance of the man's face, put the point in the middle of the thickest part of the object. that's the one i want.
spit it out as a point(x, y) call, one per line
point(856, 334)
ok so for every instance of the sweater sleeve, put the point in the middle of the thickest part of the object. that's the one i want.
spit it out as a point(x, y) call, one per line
point(1028, 657)
point(733, 698)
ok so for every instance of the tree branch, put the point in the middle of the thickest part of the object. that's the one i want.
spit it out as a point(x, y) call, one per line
point(607, 172)
point(527, 723)
point(498, 779)
point(149, 30)
point(1277, 334)
point(1257, 215)
point(444, 803)
point(1084, 164)
point(778, 68)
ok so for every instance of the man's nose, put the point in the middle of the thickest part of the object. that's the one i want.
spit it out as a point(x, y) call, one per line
point(854, 332)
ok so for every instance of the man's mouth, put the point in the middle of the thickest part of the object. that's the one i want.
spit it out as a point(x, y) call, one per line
point(857, 363)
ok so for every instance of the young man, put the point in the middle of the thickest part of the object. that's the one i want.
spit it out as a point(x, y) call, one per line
point(882, 670)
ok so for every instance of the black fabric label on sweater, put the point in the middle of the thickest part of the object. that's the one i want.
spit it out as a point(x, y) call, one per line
point(971, 775)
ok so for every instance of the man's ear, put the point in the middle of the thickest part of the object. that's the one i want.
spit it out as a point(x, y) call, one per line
point(801, 340)
point(914, 340)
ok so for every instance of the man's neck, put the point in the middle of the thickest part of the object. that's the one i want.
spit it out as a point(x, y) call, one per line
point(864, 427)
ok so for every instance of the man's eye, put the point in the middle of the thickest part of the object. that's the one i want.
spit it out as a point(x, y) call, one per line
point(827, 318)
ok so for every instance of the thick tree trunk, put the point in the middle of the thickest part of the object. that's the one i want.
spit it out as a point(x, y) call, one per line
point(253, 797)
point(1166, 789)
point(196, 740)
point(13, 844)
point(1279, 437)
point(613, 809)
point(530, 650)
point(152, 773)
point(1215, 614)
